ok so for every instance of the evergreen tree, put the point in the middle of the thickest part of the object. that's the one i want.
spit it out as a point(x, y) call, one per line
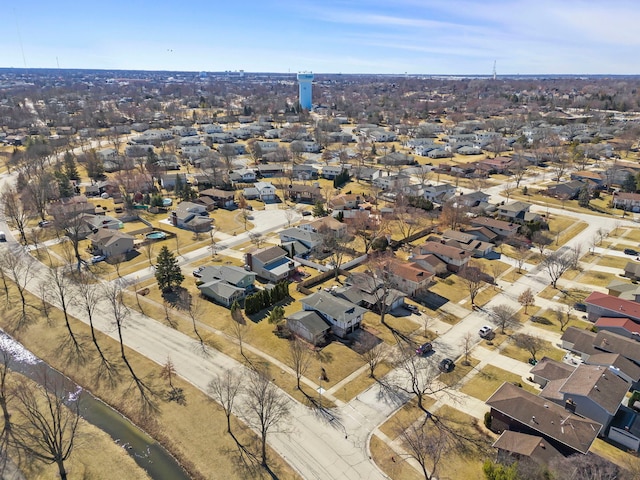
point(65, 189)
point(319, 210)
point(168, 273)
point(584, 197)
point(70, 168)
point(629, 184)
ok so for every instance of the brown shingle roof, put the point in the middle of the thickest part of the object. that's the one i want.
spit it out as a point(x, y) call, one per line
point(597, 383)
point(532, 446)
point(546, 417)
point(551, 369)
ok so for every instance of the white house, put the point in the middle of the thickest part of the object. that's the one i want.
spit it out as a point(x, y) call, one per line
point(266, 191)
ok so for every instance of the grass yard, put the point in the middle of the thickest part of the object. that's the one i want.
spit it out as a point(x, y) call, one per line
point(548, 321)
point(522, 355)
point(406, 415)
point(191, 432)
point(592, 277)
point(632, 234)
point(362, 382)
point(563, 229)
point(452, 288)
point(615, 262)
point(392, 464)
point(568, 297)
point(489, 379)
point(453, 378)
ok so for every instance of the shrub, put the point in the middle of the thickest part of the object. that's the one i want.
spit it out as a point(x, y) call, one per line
point(487, 420)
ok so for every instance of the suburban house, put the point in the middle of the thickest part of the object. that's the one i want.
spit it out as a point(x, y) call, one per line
point(367, 174)
point(439, 193)
point(266, 191)
point(367, 291)
point(332, 171)
point(270, 263)
point(222, 292)
point(499, 227)
point(392, 182)
point(632, 270)
point(305, 193)
point(430, 263)
point(343, 316)
point(514, 446)
point(309, 325)
point(515, 409)
point(168, 181)
point(627, 201)
point(346, 201)
point(243, 175)
point(566, 190)
point(517, 212)
point(620, 325)
point(603, 305)
point(308, 239)
point(409, 278)
point(220, 198)
point(548, 370)
point(270, 170)
point(304, 172)
point(579, 341)
point(111, 243)
point(236, 276)
point(191, 216)
point(591, 391)
point(467, 241)
point(70, 207)
point(483, 234)
point(472, 199)
point(455, 257)
point(326, 224)
point(618, 365)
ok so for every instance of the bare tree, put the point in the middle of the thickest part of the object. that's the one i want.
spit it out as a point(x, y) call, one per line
point(473, 277)
point(224, 389)
point(174, 393)
point(120, 312)
point(427, 444)
point(265, 408)
point(503, 316)
point(238, 328)
point(563, 316)
point(15, 211)
point(61, 294)
point(46, 422)
point(541, 241)
point(585, 467)
point(556, 265)
point(530, 343)
point(19, 270)
point(526, 299)
point(257, 239)
point(195, 311)
point(6, 395)
point(467, 344)
point(300, 358)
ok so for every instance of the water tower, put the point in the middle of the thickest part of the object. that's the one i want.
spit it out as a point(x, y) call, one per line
point(304, 81)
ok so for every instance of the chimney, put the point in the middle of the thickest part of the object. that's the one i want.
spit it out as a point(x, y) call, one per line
point(249, 260)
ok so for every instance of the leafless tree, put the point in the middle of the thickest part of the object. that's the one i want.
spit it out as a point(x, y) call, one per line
point(467, 344)
point(290, 215)
point(265, 408)
point(238, 328)
point(257, 239)
point(364, 228)
point(120, 313)
point(530, 343)
point(473, 277)
point(300, 358)
point(70, 221)
point(585, 467)
point(601, 233)
point(574, 255)
point(15, 211)
point(20, 272)
point(556, 265)
point(563, 316)
point(46, 422)
point(6, 395)
point(62, 295)
point(224, 389)
point(195, 310)
point(508, 190)
point(454, 214)
point(427, 444)
point(374, 353)
point(174, 394)
point(526, 299)
point(503, 316)
point(541, 241)
point(336, 244)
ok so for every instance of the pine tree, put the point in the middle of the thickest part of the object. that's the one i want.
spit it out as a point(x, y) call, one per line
point(584, 197)
point(70, 168)
point(168, 273)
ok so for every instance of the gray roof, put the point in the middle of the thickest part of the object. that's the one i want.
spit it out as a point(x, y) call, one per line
point(220, 287)
point(268, 254)
point(305, 236)
point(335, 307)
point(598, 384)
point(311, 320)
point(228, 273)
point(551, 369)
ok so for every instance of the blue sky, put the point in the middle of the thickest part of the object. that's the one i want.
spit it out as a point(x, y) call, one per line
point(327, 36)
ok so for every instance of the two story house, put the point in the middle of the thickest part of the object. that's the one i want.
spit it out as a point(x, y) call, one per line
point(270, 263)
point(343, 316)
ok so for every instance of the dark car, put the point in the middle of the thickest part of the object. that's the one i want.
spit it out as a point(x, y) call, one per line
point(424, 348)
point(581, 307)
point(446, 365)
point(630, 251)
point(412, 308)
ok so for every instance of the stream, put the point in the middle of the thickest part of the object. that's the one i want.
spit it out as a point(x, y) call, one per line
point(146, 452)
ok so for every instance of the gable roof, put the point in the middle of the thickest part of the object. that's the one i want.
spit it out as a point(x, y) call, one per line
point(443, 250)
point(619, 322)
point(311, 320)
point(106, 237)
point(221, 288)
point(616, 363)
point(598, 384)
point(337, 308)
point(532, 446)
point(269, 254)
point(548, 418)
point(228, 273)
point(626, 308)
point(614, 343)
point(551, 369)
point(495, 223)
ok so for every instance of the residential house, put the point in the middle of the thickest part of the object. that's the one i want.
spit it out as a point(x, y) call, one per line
point(620, 325)
point(266, 191)
point(515, 409)
point(380, 135)
point(455, 258)
point(191, 216)
point(409, 278)
point(332, 171)
point(304, 172)
point(468, 242)
point(515, 446)
point(169, 180)
point(310, 240)
point(326, 224)
point(243, 175)
point(430, 263)
point(588, 176)
point(499, 227)
point(483, 234)
point(548, 370)
point(346, 201)
point(517, 212)
point(472, 199)
point(499, 165)
point(603, 305)
point(309, 325)
point(627, 201)
point(367, 174)
point(270, 170)
point(618, 365)
point(220, 198)
point(591, 391)
point(70, 207)
point(195, 151)
point(566, 190)
point(305, 193)
point(305, 146)
point(343, 316)
point(222, 292)
point(95, 222)
point(110, 243)
point(236, 276)
point(392, 182)
point(438, 153)
point(579, 341)
point(365, 290)
point(270, 263)
point(396, 158)
point(439, 193)
point(632, 270)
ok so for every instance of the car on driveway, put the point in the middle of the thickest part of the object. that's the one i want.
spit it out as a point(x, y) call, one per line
point(412, 308)
point(581, 307)
point(98, 258)
point(424, 349)
point(630, 251)
point(486, 332)
point(44, 223)
point(198, 272)
point(446, 365)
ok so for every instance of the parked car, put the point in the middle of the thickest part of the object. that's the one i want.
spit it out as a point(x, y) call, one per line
point(198, 272)
point(581, 307)
point(44, 223)
point(424, 349)
point(306, 213)
point(486, 331)
point(412, 308)
point(3, 237)
point(630, 251)
point(98, 258)
point(446, 365)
